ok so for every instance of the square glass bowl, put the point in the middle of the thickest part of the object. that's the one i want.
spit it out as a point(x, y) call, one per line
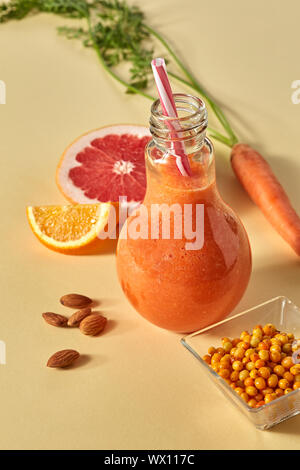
point(282, 313)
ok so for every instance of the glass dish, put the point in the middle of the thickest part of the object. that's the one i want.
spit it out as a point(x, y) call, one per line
point(285, 315)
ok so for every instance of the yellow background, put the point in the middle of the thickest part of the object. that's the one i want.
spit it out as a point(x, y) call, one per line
point(136, 387)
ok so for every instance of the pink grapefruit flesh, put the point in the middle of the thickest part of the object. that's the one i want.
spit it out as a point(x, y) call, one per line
point(105, 164)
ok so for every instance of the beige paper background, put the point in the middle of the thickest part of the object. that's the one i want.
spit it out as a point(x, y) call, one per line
point(138, 387)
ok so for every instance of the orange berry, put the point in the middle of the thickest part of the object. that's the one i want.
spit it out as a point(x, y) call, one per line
point(295, 369)
point(264, 372)
point(260, 383)
point(252, 403)
point(207, 358)
point(249, 382)
point(267, 391)
point(237, 365)
point(264, 355)
point(254, 374)
point(234, 376)
point(211, 350)
point(225, 359)
point(221, 351)
point(215, 366)
point(224, 373)
point(288, 376)
point(254, 341)
point(269, 397)
point(279, 370)
point(296, 385)
point(275, 356)
point(235, 341)
point(269, 329)
point(260, 403)
point(216, 358)
point(227, 346)
point(273, 381)
point(288, 390)
point(243, 375)
point(239, 390)
point(239, 353)
point(244, 396)
point(262, 346)
point(259, 397)
point(252, 391)
point(283, 383)
point(275, 348)
point(287, 348)
point(287, 362)
point(250, 366)
point(279, 392)
point(259, 363)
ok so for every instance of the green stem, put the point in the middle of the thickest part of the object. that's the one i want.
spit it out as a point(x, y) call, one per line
point(109, 70)
point(221, 138)
point(193, 83)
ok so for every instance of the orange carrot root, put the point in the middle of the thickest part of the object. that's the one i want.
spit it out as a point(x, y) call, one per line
point(256, 176)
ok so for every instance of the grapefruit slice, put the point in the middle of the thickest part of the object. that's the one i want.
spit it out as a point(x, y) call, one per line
point(71, 229)
point(104, 164)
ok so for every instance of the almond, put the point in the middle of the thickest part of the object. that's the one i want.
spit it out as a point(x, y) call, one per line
point(93, 324)
point(55, 319)
point(78, 316)
point(63, 358)
point(75, 301)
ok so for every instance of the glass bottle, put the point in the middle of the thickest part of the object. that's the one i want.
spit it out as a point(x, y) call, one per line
point(193, 273)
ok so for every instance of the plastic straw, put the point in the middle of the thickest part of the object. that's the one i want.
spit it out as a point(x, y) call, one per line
point(169, 109)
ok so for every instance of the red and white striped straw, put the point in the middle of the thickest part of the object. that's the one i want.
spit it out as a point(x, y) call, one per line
point(169, 109)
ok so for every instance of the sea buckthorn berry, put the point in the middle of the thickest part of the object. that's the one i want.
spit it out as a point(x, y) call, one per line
point(264, 355)
point(239, 353)
point(283, 355)
point(225, 359)
point(227, 346)
point(225, 339)
point(269, 397)
point(260, 383)
point(254, 357)
point(257, 332)
point(207, 358)
point(262, 346)
point(252, 403)
point(259, 397)
point(250, 366)
point(232, 352)
point(287, 362)
point(249, 382)
point(211, 350)
point(279, 370)
point(276, 341)
point(297, 378)
point(221, 351)
point(283, 338)
point(279, 392)
point(224, 373)
point(296, 385)
point(233, 385)
point(254, 374)
point(216, 366)
point(244, 374)
point(234, 376)
point(244, 333)
point(260, 403)
point(259, 363)
point(216, 358)
point(252, 391)
point(295, 370)
point(224, 366)
point(269, 329)
point(244, 396)
point(237, 365)
point(248, 352)
point(288, 390)
point(275, 348)
point(239, 390)
point(283, 383)
point(288, 376)
point(254, 342)
point(273, 381)
point(290, 336)
point(264, 372)
point(239, 383)
point(287, 348)
point(267, 391)
point(245, 361)
point(267, 341)
point(275, 356)
point(235, 341)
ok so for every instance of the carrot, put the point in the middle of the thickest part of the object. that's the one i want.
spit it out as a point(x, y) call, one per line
point(256, 176)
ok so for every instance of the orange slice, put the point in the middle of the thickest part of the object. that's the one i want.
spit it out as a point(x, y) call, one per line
point(70, 229)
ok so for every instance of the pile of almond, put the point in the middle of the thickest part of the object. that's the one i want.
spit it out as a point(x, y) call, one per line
point(88, 322)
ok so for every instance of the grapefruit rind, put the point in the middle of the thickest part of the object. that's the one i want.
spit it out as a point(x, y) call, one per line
point(68, 159)
point(72, 245)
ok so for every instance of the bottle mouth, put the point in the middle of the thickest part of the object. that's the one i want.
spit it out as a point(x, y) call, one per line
point(191, 122)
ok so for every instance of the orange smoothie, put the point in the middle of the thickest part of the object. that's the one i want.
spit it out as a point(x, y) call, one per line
point(175, 288)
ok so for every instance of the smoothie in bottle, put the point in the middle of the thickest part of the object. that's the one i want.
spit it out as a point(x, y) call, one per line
point(194, 272)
